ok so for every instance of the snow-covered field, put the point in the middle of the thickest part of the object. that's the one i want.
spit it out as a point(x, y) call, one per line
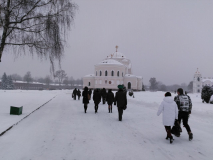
point(60, 130)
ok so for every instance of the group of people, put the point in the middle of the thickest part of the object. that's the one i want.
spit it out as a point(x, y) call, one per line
point(174, 111)
point(76, 93)
point(118, 99)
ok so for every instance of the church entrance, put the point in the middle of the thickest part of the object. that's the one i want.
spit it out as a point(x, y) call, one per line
point(129, 85)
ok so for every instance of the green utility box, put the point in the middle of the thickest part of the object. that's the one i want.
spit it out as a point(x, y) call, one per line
point(16, 110)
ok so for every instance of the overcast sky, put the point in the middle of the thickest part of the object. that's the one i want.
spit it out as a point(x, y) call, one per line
point(166, 39)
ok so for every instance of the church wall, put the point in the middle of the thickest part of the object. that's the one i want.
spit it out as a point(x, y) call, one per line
point(133, 81)
point(86, 81)
point(109, 69)
point(109, 81)
point(139, 84)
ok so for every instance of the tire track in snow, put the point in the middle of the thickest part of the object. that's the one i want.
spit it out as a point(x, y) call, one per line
point(25, 117)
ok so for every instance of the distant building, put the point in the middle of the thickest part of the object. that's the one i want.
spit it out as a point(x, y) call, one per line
point(114, 70)
point(40, 86)
point(199, 82)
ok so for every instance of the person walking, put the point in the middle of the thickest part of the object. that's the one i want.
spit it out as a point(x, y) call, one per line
point(121, 101)
point(110, 99)
point(96, 99)
point(170, 114)
point(74, 93)
point(85, 95)
point(79, 94)
point(90, 93)
point(103, 95)
point(184, 104)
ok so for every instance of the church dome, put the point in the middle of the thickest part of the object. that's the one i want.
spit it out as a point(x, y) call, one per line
point(110, 62)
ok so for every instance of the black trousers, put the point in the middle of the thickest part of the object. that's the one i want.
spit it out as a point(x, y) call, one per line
point(104, 100)
point(96, 107)
point(74, 97)
point(85, 108)
point(120, 113)
point(185, 117)
point(168, 130)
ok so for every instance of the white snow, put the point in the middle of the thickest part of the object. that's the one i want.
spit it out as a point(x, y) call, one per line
point(109, 61)
point(61, 130)
point(90, 75)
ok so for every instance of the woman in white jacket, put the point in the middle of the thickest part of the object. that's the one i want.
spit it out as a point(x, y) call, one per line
point(170, 113)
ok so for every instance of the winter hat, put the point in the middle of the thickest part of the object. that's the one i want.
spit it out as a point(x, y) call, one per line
point(120, 86)
point(180, 90)
point(168, 94)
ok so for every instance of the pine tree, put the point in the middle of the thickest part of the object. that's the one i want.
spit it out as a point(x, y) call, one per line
point(10, 84)
point(4, 81)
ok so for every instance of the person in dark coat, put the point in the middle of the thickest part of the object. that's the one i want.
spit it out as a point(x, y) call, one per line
point(103, 95)
point(90, 93)
point(121, 100)
point(74, 93)
point(110, 99)
point(79, 94)
point(85, 95)
point(185, 107)
point(96, 99)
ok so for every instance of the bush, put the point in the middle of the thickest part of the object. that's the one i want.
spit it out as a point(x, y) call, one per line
point(206, 93)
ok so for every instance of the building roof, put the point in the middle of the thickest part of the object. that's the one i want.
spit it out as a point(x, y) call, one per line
point(116, 55)
point(130, 75)
point(110, 62)
point(207, 79)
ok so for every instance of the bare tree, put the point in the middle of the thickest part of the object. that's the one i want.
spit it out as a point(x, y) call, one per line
point(16, 77)
point(48, 81)
point(61, 75)
point(37, 25)
point(27, 77)
point(153, 84)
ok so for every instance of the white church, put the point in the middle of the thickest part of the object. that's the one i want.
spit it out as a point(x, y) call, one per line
point(199, 82)
point(114, 70)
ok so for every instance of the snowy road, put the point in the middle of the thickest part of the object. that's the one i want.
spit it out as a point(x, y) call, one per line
point(62, 131)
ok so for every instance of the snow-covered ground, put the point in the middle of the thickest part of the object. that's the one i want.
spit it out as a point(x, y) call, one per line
point(61, 129)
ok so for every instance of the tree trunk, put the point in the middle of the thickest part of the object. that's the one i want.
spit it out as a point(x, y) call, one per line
point(5, 26)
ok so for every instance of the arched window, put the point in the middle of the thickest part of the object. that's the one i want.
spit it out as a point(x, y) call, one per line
point(122, 74)
point(112, 74)
point(129, 85)
point(100, 73)
point(198, 91)
point(89, 84)
point(198, 79)
point(118, 73)
point(106, 73)
point(96, 73)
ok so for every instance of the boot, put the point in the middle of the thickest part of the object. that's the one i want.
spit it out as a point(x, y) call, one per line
point(190, 136)
point(111, 110)
point(171, 139)
point(167, 137)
